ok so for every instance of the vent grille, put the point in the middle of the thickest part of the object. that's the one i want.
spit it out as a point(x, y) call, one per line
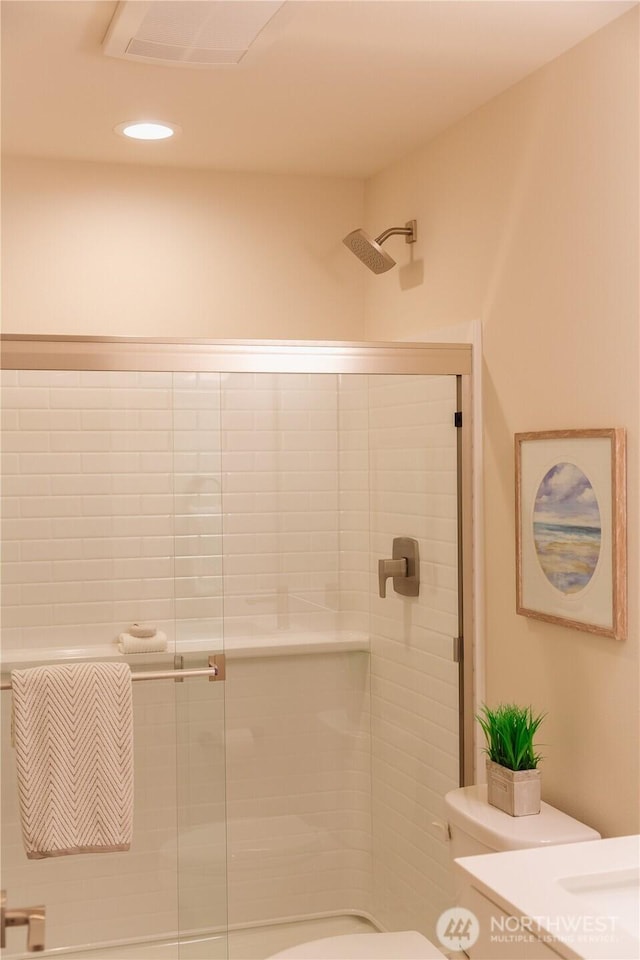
point(146, 50)
point(201, 33)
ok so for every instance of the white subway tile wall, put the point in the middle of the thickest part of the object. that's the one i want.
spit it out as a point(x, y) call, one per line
point(414, 682)
point(280, 494)
point(87, 506)
point(197, 508)
point(298, 744)
point(248, 505)
point(200, 867)
point(353, 501)
point(298, 786)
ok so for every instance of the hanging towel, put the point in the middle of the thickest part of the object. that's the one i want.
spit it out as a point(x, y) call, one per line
point(73, 735)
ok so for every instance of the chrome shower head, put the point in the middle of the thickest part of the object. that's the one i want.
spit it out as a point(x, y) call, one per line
point(371, 252)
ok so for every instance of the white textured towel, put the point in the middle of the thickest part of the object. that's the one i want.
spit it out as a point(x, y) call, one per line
point(73, 734)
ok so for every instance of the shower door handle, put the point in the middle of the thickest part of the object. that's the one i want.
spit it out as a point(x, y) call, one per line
point(403, 568)
point(30, 917)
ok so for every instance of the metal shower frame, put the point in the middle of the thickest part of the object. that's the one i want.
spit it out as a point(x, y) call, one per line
point(34, 352)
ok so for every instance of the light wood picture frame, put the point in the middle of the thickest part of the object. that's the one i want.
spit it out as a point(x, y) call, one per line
point(571, 547)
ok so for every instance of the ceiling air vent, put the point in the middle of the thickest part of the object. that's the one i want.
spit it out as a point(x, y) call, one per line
point(204, 33)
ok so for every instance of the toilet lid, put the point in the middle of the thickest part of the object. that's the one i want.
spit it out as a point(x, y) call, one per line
point(469, 810)
point(408, 945)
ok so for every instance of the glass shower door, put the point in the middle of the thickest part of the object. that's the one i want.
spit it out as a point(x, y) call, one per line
point(200, 707)
point(415, 684)
point(101, 526)
point(343, 707)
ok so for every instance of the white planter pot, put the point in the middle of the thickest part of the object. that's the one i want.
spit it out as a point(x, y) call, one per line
point(517, 792)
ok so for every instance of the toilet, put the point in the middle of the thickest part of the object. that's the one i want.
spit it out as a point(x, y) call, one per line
point(474, 827)
point(407, 945)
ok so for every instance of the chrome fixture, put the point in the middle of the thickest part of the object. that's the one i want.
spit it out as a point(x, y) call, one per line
point(371, 252)
point(30, 917)
point(215, 671)
point(403, 568)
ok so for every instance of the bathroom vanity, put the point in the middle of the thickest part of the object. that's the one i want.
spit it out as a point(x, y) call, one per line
point(580, 901)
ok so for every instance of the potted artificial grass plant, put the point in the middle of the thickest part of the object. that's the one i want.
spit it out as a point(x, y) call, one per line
point(512, 765)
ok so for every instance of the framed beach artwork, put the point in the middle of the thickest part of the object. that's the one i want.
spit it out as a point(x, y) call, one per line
point(571, 529)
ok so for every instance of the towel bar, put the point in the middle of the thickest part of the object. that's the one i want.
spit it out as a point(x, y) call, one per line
point(215, 671)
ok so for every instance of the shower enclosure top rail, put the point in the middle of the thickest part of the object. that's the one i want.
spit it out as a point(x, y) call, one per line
point(34, 352)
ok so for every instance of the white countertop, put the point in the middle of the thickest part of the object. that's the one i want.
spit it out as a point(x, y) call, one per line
point(584, 895)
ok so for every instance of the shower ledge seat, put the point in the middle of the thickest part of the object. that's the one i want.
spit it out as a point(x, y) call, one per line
point(235, 648)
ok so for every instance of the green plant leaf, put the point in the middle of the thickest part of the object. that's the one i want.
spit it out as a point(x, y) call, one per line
point(509, 731)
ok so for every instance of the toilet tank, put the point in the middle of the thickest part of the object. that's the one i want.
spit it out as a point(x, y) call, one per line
point(477, 827)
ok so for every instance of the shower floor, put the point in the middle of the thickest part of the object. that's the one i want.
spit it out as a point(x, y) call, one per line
point(251, 943)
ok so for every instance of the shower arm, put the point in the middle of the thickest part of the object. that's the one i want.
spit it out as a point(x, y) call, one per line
point(409, 231)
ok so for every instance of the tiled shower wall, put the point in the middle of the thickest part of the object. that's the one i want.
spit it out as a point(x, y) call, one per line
point(119, 490)
point(118, 487)
point(87, 506)
point(298, 786)
point(298, 745)
point(414, 681)
point(280, 495)
point(353, 501)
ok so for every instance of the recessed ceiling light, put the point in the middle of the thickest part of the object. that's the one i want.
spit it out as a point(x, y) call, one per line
point(147, 130)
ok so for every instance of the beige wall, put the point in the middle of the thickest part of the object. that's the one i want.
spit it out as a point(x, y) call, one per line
point(528, 219)
point(111, 250)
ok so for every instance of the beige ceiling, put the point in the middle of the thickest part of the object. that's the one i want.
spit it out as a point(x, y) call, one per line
point(330, 86)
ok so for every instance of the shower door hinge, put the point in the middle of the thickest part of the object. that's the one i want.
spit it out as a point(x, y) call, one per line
point(458, 645)
point(457, 418)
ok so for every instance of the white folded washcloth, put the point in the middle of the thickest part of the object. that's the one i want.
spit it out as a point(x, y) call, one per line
point(155, 644)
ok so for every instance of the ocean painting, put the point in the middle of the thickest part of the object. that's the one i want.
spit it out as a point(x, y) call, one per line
point(567, 528)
